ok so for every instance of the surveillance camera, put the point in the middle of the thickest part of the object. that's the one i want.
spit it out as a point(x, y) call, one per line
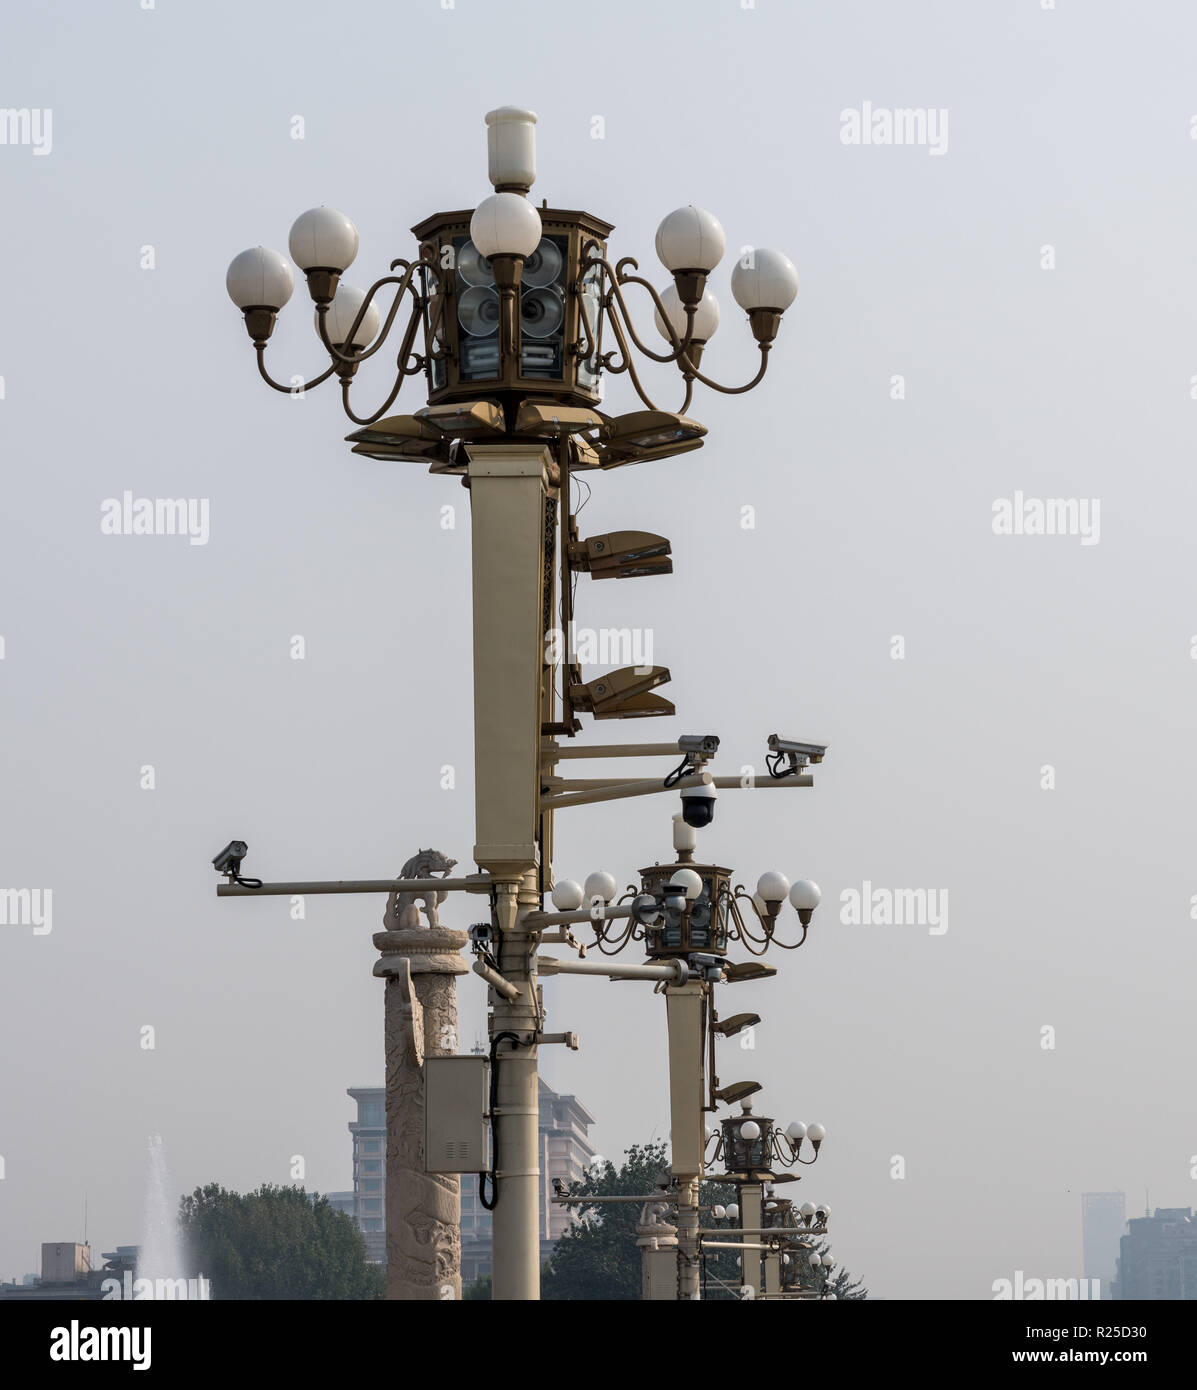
point(706, 744)
point(480, 935)
point(698, 805)
point(813, 751)
point(228, 861)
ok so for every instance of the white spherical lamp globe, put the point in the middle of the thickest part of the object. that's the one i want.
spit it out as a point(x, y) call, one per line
point(718, 1212)
point(764, 280)
point(688, 881)
point(505, 224)
point(600, 885)
point(815, 1262)
point(805, 896)
point(816, 1134)
point(341, 314)
point(690, 238)
point(259, 279)
point(567, 895)
point(796, 1131)
point(323, 239)
point(750, 1130)
point(733, 1211)
point(807, 1208)
point(706, 316)
point(773, 886)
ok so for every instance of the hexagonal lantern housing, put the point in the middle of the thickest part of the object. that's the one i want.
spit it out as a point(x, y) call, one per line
point(701, 925)
point(778, 1213)
point(742, 1155)
point(557, 353)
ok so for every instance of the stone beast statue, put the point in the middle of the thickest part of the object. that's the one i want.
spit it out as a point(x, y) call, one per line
point(402, 913)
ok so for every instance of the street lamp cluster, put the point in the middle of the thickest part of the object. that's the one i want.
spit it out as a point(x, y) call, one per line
point(518, 301)
point(751, 1144)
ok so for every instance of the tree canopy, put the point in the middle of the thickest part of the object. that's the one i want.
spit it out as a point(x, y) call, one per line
point(598, 1258)
point(276, 1242)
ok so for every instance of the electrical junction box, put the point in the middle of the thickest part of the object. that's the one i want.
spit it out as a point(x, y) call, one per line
point(456, 1102)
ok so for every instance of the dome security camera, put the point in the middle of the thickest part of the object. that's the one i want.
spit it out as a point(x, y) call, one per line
point(698, 805)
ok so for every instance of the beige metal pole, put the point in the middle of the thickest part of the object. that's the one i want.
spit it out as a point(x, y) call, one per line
point(685, 1006)
point(516, 1118)
point(511, 487)
point(771, 1276)
point(750, 1220)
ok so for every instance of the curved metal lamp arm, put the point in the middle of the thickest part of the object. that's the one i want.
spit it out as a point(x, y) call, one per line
point(627, 364)
point(741, 894)
point(404, 283)
point(404, 372)
point(791, 945)
point(770, 929)
point(786, 1151)
point(619, 277)
point(260, 350)
point(692, 371)
point(602, 937)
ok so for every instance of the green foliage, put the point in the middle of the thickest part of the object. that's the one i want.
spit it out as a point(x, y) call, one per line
point(598, 1259)
point(479, 1289)
point(721, 1270)
point(275, 1243)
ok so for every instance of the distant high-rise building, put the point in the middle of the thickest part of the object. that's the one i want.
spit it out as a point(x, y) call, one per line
point(369, 1132)
point(1103, 1220)
point(1158, 1257)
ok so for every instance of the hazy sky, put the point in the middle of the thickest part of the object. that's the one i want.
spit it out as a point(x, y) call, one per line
point(1068, 138)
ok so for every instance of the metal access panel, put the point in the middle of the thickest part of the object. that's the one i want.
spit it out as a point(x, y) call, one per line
point(456, 1101)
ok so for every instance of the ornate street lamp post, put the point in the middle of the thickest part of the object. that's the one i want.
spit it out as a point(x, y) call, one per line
point(512, 315)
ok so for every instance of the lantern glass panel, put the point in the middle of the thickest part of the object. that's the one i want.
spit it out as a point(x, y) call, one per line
point(589, 367)
point(700, 919)
point(542, 310)
point(433, 335)
point(477, 313)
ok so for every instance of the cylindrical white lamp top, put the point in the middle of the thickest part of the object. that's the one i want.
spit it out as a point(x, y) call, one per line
point(684, 836)
point(511, 148)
